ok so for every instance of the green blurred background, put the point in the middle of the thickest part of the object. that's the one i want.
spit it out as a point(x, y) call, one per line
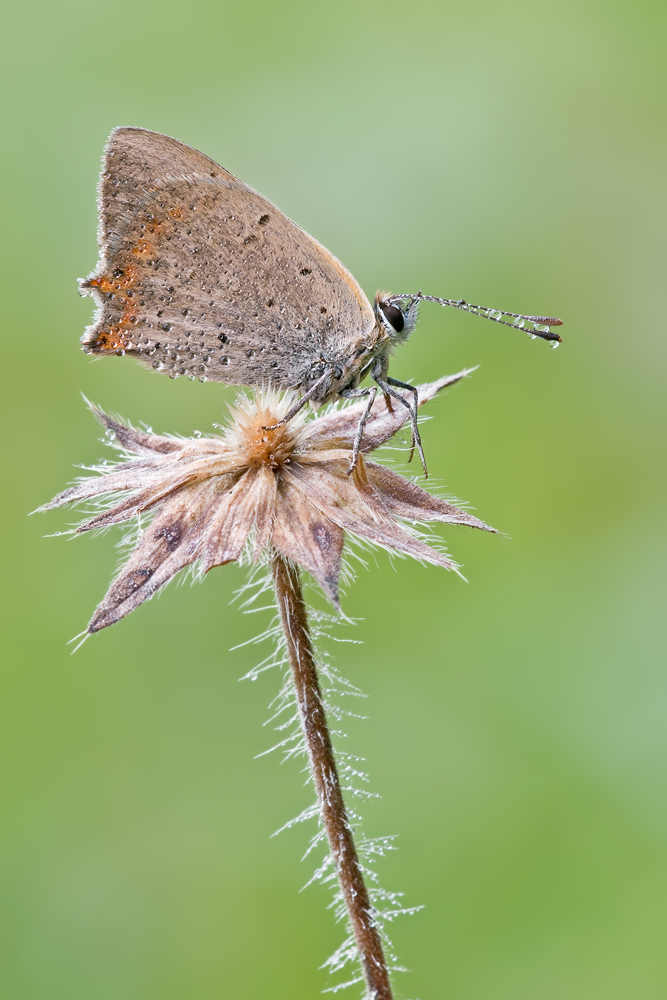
point(509, 153)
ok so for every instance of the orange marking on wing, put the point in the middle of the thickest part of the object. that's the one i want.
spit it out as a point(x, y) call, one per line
point(113, 339)
point(143, 249)
point(128, 276)
point(152, 223)
point(128, 319)
point(104, 283)
point(116, 281)
point(116, 337)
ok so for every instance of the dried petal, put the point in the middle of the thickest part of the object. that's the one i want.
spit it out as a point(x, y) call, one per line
point(171, 542)
point(405, 499)
point(128, 476)
point(139, 442)
point(145, 500)
point(390, 536)
point(232, 521)
point(348, 510)
point(303, 533)
point(265, 512)
point(329, 483)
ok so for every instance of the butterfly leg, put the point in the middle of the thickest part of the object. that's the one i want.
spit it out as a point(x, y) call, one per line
point(300, 403)
point(386, 384)
point(359, 433)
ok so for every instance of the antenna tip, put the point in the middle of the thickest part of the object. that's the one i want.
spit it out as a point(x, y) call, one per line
point(545, 320)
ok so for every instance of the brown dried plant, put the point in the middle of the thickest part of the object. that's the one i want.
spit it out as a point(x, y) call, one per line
point(285, 497)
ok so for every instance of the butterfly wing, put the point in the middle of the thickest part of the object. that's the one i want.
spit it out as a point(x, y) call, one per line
point(200, 275)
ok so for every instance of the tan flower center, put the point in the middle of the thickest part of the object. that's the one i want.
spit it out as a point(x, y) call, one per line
point(260, 446)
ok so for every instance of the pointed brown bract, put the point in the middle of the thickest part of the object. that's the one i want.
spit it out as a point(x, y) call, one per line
point(249, 490)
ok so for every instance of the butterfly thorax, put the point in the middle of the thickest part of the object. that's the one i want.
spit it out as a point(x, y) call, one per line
point(345, 372)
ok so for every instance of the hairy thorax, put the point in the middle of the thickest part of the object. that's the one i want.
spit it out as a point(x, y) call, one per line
point(348, 371)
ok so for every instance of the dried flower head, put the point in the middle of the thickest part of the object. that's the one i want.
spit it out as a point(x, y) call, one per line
point(284, 493)
point(214, 498)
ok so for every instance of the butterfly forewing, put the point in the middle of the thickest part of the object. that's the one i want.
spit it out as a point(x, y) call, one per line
point(200, 275)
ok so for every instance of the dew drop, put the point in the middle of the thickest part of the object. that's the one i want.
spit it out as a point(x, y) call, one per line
point(555, 344)
point(158, 365)
point(202, 378)
point(533, 336)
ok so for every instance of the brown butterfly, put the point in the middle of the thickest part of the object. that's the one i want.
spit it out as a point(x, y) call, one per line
point(201, 276)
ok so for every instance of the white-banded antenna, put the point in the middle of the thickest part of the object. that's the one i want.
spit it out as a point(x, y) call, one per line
point(534, 326)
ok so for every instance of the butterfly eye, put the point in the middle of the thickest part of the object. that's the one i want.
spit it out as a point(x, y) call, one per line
point(394, 316)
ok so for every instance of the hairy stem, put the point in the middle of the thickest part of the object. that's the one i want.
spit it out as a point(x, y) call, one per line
point(294, 620)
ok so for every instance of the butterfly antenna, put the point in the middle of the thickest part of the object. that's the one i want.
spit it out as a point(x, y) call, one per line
point(534, 326)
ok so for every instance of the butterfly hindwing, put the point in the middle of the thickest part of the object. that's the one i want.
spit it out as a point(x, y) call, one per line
point(200, 275)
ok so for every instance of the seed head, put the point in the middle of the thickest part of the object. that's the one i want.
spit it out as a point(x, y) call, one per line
point(215, 498)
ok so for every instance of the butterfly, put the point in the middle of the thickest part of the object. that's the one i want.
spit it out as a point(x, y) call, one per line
point(201, 276)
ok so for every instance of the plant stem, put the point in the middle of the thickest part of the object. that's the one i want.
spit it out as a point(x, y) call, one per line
point(294, 619)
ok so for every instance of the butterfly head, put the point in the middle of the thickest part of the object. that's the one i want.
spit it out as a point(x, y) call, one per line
point(398, 317)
